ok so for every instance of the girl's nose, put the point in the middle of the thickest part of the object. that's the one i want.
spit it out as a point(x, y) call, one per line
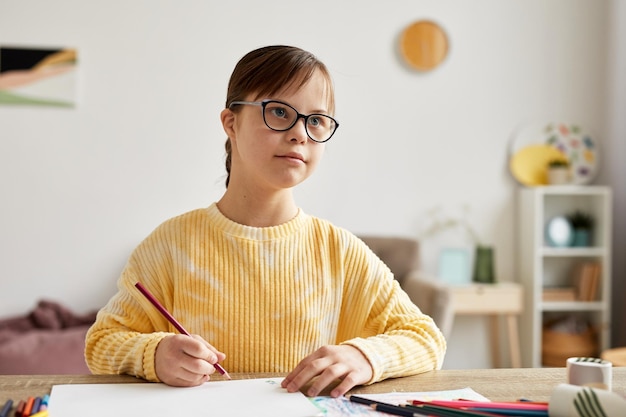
point(299, 131)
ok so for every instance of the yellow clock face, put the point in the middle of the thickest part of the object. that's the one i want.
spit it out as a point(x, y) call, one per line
point(424, 45)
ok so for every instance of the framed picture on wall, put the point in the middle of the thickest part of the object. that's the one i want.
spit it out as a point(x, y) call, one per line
point(38, 76)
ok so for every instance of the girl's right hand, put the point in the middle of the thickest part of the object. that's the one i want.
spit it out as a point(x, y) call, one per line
point(184, 361)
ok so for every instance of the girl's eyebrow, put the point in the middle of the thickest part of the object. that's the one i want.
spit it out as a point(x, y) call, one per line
point(315, 111)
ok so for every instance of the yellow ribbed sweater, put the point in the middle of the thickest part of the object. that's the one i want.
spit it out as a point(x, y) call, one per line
point(266, 297)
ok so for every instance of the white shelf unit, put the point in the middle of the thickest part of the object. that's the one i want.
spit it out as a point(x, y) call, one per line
point(541, 265)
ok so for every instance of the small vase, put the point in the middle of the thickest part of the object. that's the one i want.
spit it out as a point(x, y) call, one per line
point(558, 175)
point(483, 265)
point(581, 238)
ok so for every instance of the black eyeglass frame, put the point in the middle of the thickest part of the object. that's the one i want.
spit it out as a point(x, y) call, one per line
point(299, 116)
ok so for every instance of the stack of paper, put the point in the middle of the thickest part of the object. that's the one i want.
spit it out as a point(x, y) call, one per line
point(240, 398)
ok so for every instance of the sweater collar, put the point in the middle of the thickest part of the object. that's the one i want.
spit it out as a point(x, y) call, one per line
point(256, 233)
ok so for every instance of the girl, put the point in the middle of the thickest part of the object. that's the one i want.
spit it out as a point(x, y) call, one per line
point(261, 285)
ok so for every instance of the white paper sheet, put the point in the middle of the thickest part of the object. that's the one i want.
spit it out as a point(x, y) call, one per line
point(238, 398)
point(342, 407)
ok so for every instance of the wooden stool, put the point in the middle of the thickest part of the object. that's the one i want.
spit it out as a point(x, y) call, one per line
point(617, 356)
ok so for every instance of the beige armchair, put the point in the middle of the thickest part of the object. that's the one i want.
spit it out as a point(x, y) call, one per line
point(401, 255)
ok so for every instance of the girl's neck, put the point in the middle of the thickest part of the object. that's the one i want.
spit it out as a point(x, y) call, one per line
point(258, 211)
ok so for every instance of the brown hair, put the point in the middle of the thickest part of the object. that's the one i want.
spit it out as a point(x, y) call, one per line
point(269, 70)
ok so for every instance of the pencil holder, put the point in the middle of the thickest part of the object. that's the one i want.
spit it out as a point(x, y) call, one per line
point(590, 372)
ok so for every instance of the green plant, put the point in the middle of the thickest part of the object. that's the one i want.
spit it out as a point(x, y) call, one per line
point(580, 220)
point(558, 163)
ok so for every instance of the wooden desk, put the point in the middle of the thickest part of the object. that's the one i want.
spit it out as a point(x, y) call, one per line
point(494, 300)
point(496, 384)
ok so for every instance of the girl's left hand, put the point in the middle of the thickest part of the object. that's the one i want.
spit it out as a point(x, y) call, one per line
point(328, 364)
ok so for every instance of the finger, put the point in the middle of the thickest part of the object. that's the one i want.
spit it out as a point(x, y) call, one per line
point(306, 373)
point(292, 375)
point(185, 378)
point(296, 371)
point(219, 356)
point(346, 385)
point(197, 366)
point(197, 347)
point(328, 377)
point(177, 373)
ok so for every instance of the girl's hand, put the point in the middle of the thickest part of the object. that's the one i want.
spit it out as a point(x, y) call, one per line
point(184, 361)
point(328, 364)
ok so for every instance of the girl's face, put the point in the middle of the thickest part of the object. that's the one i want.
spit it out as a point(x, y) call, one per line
point(262, 157)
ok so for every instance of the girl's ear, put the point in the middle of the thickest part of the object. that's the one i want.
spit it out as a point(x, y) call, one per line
point(228, 122)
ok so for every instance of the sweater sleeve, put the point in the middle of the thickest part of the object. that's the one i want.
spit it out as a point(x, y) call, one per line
point(125, 335)
point(396, 337)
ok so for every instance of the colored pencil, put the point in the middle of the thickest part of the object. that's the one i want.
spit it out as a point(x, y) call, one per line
point(499, 408)
point(512, 412)
point(6, 409)
point(406, 410)
point(28, 408)
point(363, 400)
point(43, 413)
point(442, 411)
point(19, 410)
point(172, 320)
point(44, 402)
point(36, 405)
point(395, 410)
point(516, 405)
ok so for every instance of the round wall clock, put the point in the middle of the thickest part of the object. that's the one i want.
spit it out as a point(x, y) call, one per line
point(424, 45)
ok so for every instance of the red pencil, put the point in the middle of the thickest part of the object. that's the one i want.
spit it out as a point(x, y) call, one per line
point(172, 320)
point(518, 405)
point(19, 410)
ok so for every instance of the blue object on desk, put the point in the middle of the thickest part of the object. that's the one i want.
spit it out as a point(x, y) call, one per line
point(36, 405)
point(6, 409)
point(454, 266)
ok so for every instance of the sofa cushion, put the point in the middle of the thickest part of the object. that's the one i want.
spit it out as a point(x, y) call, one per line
point(400, 254)
point(39, 352)
point(48, 340)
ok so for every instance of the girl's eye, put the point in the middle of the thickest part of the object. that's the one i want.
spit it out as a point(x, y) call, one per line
point(319, 121)
point(314, 121)
point(280, 112)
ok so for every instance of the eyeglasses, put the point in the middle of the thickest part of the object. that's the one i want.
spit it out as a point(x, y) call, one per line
point(281, 116)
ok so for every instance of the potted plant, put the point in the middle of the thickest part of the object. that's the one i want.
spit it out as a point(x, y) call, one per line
point(558, 171)
point(581, 223)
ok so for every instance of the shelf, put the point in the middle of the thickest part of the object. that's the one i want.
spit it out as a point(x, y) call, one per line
point(571, 190)
point(573, 252)
point(572, 306)
point(542, 266)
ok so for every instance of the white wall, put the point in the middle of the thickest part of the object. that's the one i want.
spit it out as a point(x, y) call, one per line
point(80, 188)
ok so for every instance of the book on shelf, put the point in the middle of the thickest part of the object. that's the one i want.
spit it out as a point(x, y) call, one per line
point(587, 281)
point(559, 294)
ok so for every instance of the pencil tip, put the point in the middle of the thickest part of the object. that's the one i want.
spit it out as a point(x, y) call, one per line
point(227, 376)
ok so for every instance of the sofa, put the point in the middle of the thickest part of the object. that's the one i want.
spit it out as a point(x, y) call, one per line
point(50, 339)
point(401, 255)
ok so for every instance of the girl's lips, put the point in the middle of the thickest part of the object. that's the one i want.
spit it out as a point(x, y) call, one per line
point(293, 155)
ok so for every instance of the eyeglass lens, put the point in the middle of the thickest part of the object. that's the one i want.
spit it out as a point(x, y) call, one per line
point(281, 116)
